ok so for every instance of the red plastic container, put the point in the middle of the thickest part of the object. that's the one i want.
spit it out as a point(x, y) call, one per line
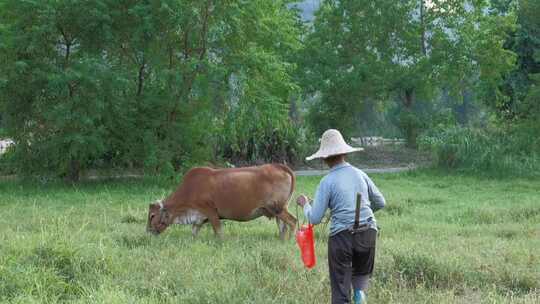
point(306, 242)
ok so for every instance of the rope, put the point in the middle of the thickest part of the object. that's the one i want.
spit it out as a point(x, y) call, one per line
point(297, 218)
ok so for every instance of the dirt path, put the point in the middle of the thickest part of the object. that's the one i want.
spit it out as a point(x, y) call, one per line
point(310, 172)
point(374, 170)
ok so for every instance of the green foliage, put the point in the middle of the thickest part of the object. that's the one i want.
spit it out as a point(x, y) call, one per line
point(256, 126)
point(411, 125)
point(362, 56)
point(136, 84)
point(163, 86)
point(498, 152)
point(521, 83)
point(508, 145)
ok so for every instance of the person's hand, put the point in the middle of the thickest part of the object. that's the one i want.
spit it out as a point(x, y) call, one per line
point(302, 200)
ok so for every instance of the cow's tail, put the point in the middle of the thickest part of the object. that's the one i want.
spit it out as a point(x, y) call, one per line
point(293, 179)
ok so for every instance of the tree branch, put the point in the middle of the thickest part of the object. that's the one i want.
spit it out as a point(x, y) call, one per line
point(423, 28)
point(204, 31)
point(67, 42)
point(141, 76)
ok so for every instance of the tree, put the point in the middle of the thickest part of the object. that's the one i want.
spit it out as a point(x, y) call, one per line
point(143, 83)
point(526, 96)
point(53, 90)
point(525, 42)
point(405, 51)
point(260, 41)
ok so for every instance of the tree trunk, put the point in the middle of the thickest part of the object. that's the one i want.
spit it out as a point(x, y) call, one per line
point(74, 166)
point(74, 171)
point(409, 121)
point(422, 28)
point(408, 100)
point(189, 78)
point(140, 83)
point(293, 111)
point(464, 108)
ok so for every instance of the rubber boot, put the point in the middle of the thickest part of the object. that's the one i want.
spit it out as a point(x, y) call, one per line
point(359, 297)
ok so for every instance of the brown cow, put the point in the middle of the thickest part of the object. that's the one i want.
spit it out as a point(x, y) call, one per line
point(240, 194)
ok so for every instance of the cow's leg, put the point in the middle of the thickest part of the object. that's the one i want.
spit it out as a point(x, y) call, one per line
point(291, 221)
point(287, 219)
point(282, 228)
point(195, 228)
point(216, 224)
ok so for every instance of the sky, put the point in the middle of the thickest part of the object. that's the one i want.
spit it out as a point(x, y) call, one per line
point(308, 8)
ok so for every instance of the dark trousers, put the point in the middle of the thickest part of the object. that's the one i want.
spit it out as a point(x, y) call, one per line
point(349, 256)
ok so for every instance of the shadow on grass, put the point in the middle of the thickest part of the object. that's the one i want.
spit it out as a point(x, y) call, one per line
point(135, 241)
point(131, 219)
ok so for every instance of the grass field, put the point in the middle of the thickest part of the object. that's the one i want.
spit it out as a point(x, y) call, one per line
point(444, 239)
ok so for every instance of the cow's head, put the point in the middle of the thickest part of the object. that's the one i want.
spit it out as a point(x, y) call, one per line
point(158, 218)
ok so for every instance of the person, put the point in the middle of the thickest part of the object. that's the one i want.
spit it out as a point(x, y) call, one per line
point(351, 254)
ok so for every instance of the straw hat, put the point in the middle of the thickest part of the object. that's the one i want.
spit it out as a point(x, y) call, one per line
point(332, 143)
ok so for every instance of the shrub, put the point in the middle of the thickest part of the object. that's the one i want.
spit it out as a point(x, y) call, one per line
point(6, 163)
point(69, 108)
point(246, 141)
point(484, 151)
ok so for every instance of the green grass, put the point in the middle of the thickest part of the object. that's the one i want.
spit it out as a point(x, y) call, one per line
point(444, 239)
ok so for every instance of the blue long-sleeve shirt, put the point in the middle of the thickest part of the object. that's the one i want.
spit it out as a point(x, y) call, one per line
point(337, 192)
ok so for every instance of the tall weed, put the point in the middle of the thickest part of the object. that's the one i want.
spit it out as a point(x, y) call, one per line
point(480, 151)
